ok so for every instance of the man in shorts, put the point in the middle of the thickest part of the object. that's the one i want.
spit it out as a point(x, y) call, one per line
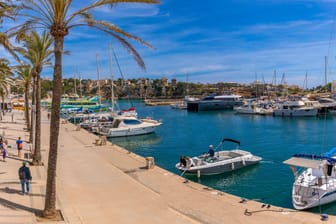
point(19, 144)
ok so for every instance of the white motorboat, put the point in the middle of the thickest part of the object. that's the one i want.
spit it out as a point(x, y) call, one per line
point(297, 108)
point(252, 107)
point(129, 126)
point(222, 161)
point(315, 182)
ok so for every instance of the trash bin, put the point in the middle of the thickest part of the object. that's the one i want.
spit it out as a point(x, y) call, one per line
point(150, 162)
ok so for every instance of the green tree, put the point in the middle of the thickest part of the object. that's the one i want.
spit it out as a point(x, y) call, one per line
point(58, 18)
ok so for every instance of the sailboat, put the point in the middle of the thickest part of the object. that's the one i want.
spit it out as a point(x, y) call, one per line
point(315, 183)
point(183, 105)
point(124, 123)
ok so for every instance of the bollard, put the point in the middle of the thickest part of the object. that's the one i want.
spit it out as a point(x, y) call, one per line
point(102, 140)
point(324, 217)
point(150, 162)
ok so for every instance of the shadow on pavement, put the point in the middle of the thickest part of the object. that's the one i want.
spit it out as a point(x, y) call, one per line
point(16, 206)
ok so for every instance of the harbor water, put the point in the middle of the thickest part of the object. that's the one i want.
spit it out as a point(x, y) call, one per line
point(275, 139)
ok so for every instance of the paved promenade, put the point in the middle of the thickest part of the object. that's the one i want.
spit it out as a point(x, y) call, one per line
point(107, 184)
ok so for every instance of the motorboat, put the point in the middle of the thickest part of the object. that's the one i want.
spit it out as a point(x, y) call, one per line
point(123, 126)
point(252, 107)
point(215, 102)
point(315, 179)
point(222, 161)
point(297, 108)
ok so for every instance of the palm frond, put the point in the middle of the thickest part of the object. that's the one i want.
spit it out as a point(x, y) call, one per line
point(111, 28)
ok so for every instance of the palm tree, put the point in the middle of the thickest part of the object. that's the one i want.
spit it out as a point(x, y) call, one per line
point(25, 77)
point(37, 49)
point(58, 18)
point(5, 79)
point(7, 10)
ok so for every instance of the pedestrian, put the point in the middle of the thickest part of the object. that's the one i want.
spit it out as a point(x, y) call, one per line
point(48, 115)
point(25, 178)
point(19, 144)
point(4, 154)
point(1, 143)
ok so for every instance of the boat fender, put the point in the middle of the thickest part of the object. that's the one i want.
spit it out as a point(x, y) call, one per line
point(243, 161)
point(232, 166)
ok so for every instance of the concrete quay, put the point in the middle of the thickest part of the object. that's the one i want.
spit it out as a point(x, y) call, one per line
point(108, 184)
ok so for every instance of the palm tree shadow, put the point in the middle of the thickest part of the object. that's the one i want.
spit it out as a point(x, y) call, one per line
point(16, 206)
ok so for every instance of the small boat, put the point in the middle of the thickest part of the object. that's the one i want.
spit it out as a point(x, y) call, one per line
point(315, 181)
point(222, 161)
point(123, 126)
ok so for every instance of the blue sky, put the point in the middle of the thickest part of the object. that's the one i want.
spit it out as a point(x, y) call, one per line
point(213, 41)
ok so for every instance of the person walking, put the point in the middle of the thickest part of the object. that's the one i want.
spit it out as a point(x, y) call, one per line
point(4, 153)
point(25, 178)
point(19, 144)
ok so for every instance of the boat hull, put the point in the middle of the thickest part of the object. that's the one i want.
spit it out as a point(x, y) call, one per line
point(204, 105)
point(296, 113)
point(124, 132)
point(225, 168)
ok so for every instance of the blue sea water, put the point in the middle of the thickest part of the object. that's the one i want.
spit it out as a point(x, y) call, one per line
point(275, 139)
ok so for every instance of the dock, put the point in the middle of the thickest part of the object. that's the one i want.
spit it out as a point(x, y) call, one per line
point(161, 102)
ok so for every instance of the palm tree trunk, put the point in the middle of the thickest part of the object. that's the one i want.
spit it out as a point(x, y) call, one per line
point(32, 114)
point(27, 106)
point(37, 159)
point(50, 200)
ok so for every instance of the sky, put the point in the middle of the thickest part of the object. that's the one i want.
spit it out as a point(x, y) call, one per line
point(272, 41)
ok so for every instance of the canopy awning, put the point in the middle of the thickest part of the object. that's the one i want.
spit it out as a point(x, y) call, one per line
point(307, 163)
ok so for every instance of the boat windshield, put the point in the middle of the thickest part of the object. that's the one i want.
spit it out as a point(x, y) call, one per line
point(132, 122)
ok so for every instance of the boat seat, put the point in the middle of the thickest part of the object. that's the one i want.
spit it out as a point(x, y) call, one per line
point(225, 157)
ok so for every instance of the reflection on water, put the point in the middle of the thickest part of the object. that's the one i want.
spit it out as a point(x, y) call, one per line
point(226, 180)
point(132, 143)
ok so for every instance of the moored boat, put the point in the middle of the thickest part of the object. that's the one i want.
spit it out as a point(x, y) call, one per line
point(123, 126)
point(315, 182)
point(215, 102)
point(297, 108)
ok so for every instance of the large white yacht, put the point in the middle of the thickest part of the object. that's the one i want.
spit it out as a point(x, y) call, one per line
point(215, 102)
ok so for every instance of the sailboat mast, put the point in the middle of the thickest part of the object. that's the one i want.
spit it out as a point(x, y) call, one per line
point(325, 70)
point(99, 98)
point(75, 91)
point(112, 88)
point(80, 85)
